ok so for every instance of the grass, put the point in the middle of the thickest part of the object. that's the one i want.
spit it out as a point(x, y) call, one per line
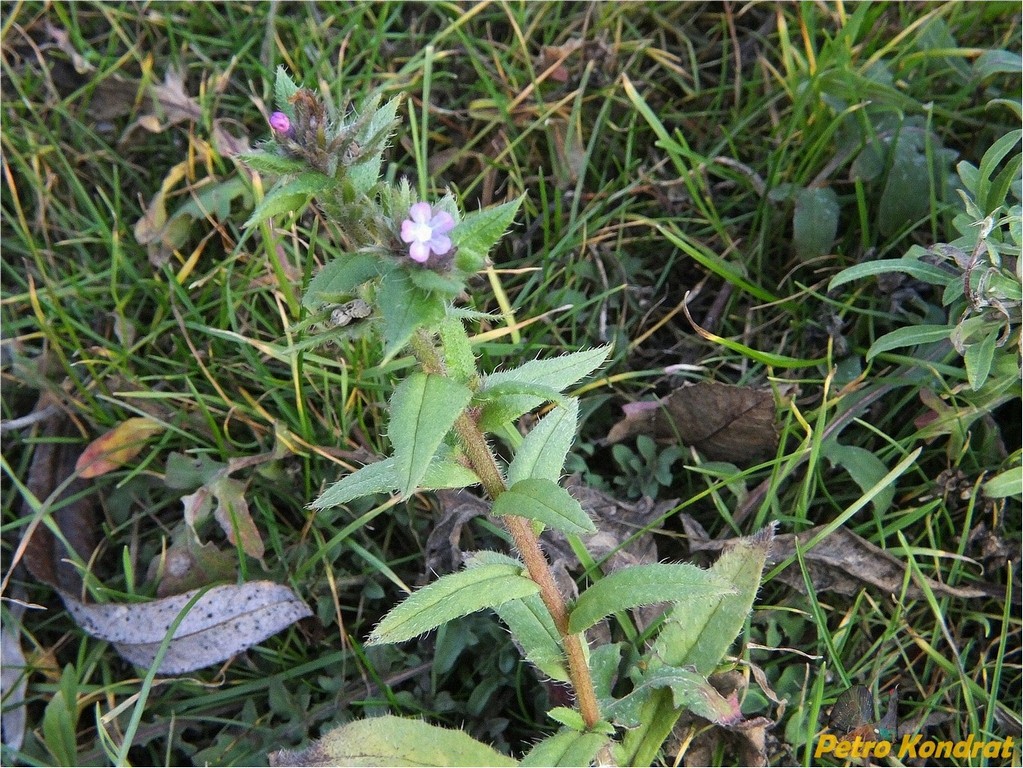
point(660, 147)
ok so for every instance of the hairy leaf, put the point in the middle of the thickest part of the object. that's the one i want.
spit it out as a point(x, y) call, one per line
point(689, 689)
point(543, 451)
point(452, 596)
point(393, 741)
point(423, 409)
point(338, 278)
point(544, 501)
point(566, 747)
point(645, 584)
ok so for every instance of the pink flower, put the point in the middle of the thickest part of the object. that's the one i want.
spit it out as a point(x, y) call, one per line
point(426, 232)
point(280, 123)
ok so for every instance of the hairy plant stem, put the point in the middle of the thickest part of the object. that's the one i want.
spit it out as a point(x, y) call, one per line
point(478, 452)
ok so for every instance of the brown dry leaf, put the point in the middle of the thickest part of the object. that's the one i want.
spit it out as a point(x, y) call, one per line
point(13, 683)
point(231, 512)
point(226, 143)
point(116, 447)
point(842, 562)
point(172, 104)
point(53, 462)
point(223, 622)
point(189, 564)
point(723, 422)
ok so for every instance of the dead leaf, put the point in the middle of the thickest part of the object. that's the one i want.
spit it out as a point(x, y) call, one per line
point(226, 143)
point(223, 622)
point(53, 462)
point(116, 447)
point(189, 564)
point(233, 514)
point(723, 422)
point(172, 104)
point(841, 562)
point(62, 39)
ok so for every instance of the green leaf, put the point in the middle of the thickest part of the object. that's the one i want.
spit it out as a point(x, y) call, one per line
point(556, 373)
point(565, 748)
point(450, 597)
point(996, 62)
point(543, 451)
point(569, 718)
point(864, 467)
point(394, 741)
point(697, 633)
point(447, 473)
point(978, 358)
point(268, 162)
point(378, 477)
point(338, 278)
point(406, 309)
point(289, 197)
point(284, 89)
point(815, 222)
point(1007, 483)
point(929, 273)
point(364, 174)
point(642, 585)
point(989, 165)
point(434, 282)
point(547, 502)
point(909, 336)
point(688, 689)
point(458, 356)
point(529, 622)
point(423, 409)
point(477, 233)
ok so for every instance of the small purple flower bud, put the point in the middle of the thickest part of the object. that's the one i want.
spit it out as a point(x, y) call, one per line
point(426, 232)
point(280, 124)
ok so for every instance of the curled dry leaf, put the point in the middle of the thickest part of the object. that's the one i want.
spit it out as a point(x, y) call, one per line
point(723, 422)
point(116, 447)
point(226, 620)
point(841, 562)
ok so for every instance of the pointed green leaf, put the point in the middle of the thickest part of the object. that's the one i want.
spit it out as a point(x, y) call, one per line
point(642, 585)
point(929, 273)
point(338, 278)
point(407, 308)
point(477, 233)
point(458, 356)
point(289, 197)
point(697, 633)
point(450, 597)
point(447, 473)
point(566, 747)
point(374, 135)
point(543, 451)
point(529, 622)
point(1007, 483)
point(393, 741)
point(556, 373)
point(284, 89)
point(908, 336)
point(268, 162)
point(864, 467)
point(815, 221)
point(378, 477)
point(547, 502)
point(423, 409)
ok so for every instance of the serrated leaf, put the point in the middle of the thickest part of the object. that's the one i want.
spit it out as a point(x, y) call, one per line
point(543, 451)
point(565, 748)
point(408, 308)
point(226, 620)
point(642, 585)
point(289, 197)
point(450, 597)
point(908, 336)
point(478, 232)
point(688, 689)
point(547, 502)
point(284, 89)
point(529, 622)
point(393, 741)
point(556, 373)
point(268, 162)
point(423, 409)
point(338, 278)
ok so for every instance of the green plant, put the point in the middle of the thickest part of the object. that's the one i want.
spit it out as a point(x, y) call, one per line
point(407, 261)
point(646, 470)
